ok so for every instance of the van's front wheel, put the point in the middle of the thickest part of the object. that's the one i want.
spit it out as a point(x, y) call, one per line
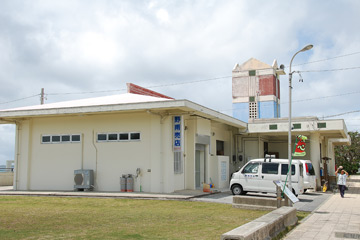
point(237, 190)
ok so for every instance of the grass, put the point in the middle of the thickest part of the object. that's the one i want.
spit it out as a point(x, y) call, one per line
point(98, 218)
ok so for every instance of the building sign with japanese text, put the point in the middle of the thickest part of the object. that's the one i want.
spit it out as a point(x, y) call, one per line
point(177, 133)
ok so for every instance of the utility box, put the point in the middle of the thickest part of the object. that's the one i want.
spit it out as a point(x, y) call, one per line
point(83, 179)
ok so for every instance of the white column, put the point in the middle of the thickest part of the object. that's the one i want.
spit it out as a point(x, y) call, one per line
point(315, 156)
point(331, 154)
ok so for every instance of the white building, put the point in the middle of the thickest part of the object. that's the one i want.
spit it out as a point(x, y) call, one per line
point(176, 144)
point(115, 135)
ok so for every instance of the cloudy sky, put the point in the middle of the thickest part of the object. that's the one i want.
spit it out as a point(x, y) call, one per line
point(184, 49)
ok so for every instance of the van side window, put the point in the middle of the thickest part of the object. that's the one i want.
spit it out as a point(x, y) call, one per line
point(270, 168)
point(284, 169)
point(309, 169)
point(251, 168)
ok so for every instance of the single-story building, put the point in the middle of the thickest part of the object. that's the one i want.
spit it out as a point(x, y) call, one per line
point(174, 144)
point(166, 144)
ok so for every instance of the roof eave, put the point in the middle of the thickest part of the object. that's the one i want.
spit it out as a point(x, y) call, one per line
point(180, 104)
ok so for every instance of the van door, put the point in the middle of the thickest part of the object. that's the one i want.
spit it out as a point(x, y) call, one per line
point(250, 177)
point(269, 173)
point(301, 179)
point(296, 177)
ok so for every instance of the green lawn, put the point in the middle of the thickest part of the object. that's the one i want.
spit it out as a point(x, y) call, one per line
point(99, 218)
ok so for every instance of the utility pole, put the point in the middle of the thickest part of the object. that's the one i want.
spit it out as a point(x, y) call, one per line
point(42, 96)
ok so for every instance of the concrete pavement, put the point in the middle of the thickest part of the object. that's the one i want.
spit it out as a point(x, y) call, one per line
point(308, 202)
point(337, 218)
point(179, 195)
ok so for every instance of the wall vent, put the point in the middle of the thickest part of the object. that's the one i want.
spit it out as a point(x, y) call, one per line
point(273, 127)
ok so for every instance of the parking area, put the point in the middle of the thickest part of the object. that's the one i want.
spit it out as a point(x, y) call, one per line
point(309, 201)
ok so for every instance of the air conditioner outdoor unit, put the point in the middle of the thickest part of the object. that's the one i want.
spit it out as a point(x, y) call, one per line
point(83, 179)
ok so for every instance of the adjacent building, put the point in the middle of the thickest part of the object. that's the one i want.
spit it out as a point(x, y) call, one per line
point(256, 90)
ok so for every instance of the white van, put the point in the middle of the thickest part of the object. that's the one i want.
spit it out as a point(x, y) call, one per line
point(258, 176)
point(309, 175)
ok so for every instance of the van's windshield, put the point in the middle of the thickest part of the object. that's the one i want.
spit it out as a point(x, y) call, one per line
point(251, 168)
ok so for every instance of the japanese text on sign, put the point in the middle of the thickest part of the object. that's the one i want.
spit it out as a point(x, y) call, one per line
point(177, 134)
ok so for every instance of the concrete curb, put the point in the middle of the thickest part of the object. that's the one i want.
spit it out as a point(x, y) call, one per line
point(265, 227)
point(91, 194)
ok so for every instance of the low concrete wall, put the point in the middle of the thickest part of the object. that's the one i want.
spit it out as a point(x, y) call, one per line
point(265, 227)
point(6, 178)
point(257, 203)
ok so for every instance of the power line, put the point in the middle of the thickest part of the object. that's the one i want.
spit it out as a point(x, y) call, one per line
point(20, 99)
point(190, 82)
point(90, 92)
point(331, 70)
point(302, 100)
point(203, 80)
point(326, 59)
point(154, 86)
point(336, 115)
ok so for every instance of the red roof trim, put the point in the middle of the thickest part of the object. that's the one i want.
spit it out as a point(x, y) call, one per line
point(133, 88)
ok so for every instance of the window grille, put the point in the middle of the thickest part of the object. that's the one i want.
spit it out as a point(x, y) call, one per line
point(253, 112)
point(178, 163)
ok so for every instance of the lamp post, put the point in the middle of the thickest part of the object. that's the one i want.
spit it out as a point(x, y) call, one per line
point(308, 47)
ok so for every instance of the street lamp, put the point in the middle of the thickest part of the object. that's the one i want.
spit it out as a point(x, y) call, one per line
point(308, 47)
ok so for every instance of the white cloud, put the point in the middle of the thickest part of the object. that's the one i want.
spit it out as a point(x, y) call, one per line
point(162, 15)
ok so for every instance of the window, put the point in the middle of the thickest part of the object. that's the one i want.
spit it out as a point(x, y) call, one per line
point(75, 138)
point(46, 139)
point(251, 168)
point(134, 136)
point(321, 125)
point(220, 149)
point(270, 168)
point(273, 126)
point(123, 136)
point(284, 169)
point(309, 169)
point(252, 73)
point(55, 139)
point(101, 137)
point(178, 166)
point(64, 138)
point(118, 137)
point(113, 137)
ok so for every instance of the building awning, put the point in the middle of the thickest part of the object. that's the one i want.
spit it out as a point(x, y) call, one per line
point(279, 128)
